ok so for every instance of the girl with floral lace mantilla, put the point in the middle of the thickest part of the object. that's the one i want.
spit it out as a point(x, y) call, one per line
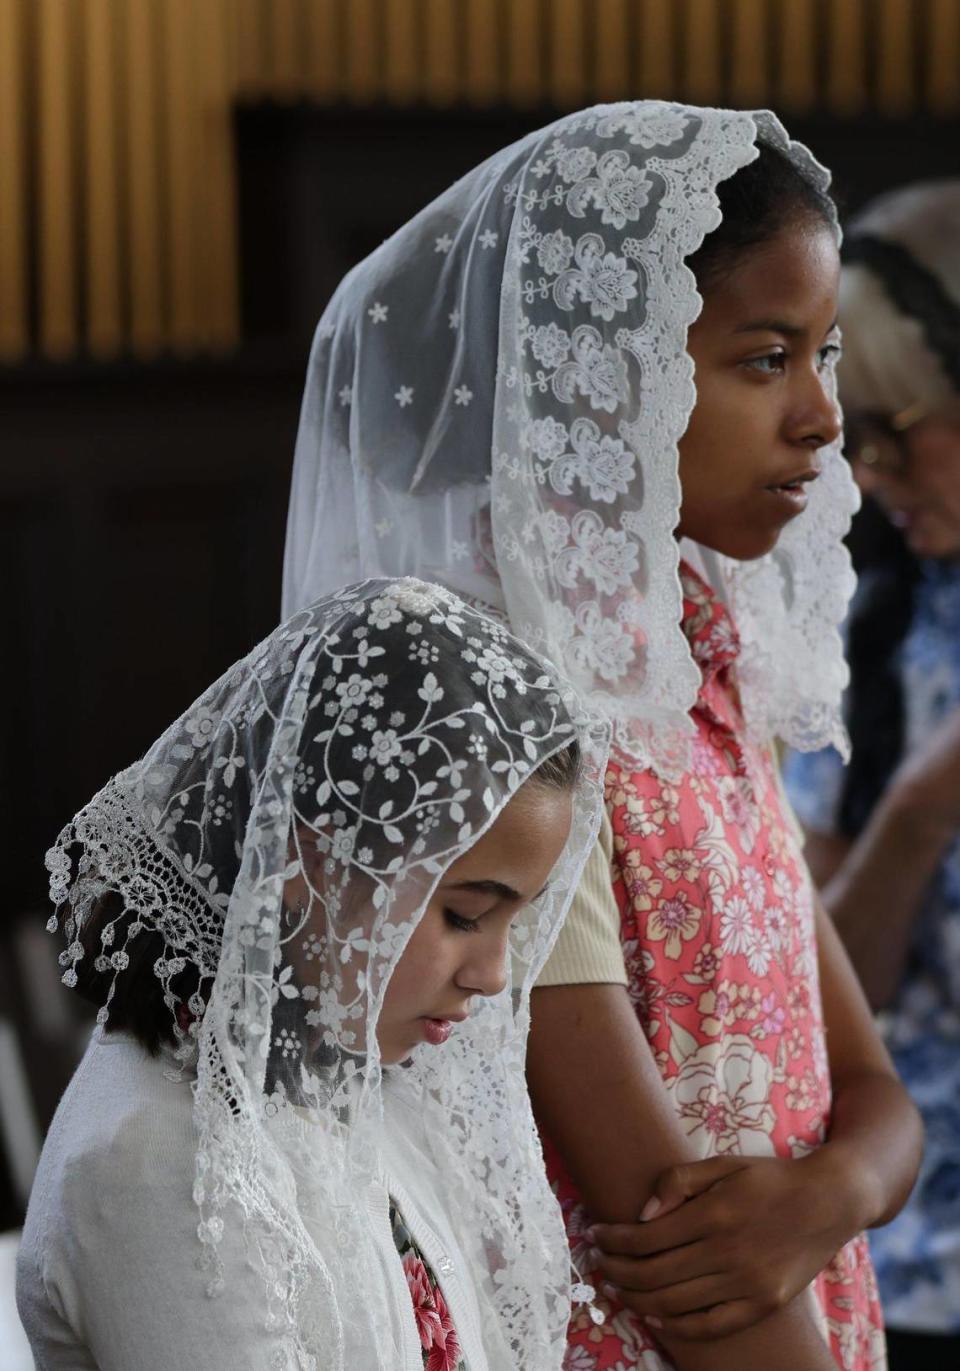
point(618, 428)
point(311, 915)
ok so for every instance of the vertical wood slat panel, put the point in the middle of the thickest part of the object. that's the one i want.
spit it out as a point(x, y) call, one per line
point(249, 27)
point(895, 57)
point(180, 134)
point(701, 65)
point(215, 190)
point(612, 62)
point(797, 55)
point(442, 52)
point(943, 57)
point(482, 77)
point(568, 77)
point(657, 49)
point(362, 50)
point(285, 48)
point(14, 325)
point(402, 70)
point(846, 92)
point(102, 276)
point(142, 179)
point(324, 80)
point(524, 81)
point(132, 198)
point(57, 236)
point(749, 75)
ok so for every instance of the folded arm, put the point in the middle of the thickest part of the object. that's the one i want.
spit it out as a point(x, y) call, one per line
point(744, 1235)
point(599, 1096)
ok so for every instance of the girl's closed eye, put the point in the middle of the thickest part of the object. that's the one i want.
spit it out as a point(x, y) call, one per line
point(459, 922)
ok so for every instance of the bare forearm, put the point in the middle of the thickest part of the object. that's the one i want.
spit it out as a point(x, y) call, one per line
point(598, 1095)
point(786, 1341)
point(875, 1139)
point(875, 896)
point(873, 1151)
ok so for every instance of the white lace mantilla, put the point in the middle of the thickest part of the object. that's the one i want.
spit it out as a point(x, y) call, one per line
point(495, 399)
point(279, 845)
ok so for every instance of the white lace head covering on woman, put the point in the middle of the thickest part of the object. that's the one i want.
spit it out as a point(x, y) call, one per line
point(275, 849)
point(494, 400)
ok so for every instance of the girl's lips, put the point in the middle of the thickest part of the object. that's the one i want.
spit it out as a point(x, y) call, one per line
point(792, 499)
point(437, 1030)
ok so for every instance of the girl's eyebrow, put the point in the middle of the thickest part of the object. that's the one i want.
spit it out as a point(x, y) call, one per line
point(777, 326)
point(770, 326)
point(498, 888)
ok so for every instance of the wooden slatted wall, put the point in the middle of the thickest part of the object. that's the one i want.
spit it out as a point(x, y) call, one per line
point(117, 215)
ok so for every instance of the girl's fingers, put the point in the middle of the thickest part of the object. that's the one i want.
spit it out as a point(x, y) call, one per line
point(680, 1183)
point(657, 1273)
point(707, 1324)
point(685, 1225)
point(676, 1301)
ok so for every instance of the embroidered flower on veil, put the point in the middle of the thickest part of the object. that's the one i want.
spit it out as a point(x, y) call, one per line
point(619, 190)
point(601, 279)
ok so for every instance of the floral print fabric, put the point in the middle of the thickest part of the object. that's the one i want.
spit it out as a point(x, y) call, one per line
point(438, 1337)
point(717, 928)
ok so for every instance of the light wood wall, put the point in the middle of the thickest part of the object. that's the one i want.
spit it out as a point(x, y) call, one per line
point(117, 198)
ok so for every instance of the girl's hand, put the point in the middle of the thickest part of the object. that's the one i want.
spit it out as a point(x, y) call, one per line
point(727, 1241)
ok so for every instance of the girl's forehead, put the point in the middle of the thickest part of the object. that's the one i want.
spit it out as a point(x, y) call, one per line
point(784, 284)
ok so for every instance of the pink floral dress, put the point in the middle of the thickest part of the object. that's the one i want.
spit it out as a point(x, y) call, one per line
point(717, 927)
point(438, 1337)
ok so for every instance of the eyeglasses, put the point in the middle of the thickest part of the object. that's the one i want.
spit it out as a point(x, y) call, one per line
point(881, 441)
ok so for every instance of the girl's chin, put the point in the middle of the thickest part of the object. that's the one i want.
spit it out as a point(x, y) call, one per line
point(742, 544)
point(393, 1056)
point(397, 1048)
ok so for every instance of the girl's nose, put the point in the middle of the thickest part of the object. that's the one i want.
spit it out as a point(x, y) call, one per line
point(832, 421)
point(817, 421)
point(485, 973)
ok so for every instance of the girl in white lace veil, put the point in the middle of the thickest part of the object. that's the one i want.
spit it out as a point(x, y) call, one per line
point(503, 397)
point(278, 852)
point(495, 397)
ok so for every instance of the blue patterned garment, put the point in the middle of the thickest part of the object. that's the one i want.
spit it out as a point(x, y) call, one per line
point(917, 1257)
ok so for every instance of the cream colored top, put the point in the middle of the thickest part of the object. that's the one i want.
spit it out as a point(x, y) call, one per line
point(588, 950)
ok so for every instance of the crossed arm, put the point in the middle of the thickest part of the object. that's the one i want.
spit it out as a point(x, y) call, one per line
point(720, 1266)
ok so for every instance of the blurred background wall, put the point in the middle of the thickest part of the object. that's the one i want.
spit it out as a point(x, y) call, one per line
point(182, 183)
point(119, 233)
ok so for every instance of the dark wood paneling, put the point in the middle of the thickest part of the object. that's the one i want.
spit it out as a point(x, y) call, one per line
point(141, 542)
point(321, 187)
